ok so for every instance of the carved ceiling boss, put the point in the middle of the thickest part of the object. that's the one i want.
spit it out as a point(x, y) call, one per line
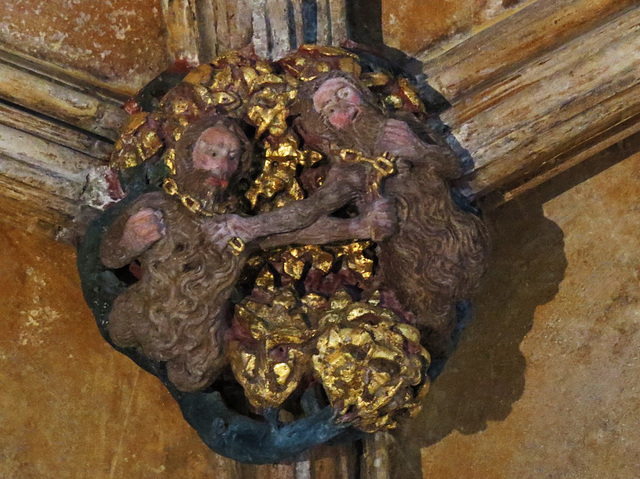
point(288, 259)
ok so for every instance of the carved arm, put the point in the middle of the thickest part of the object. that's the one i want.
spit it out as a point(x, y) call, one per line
point(343, 184)
point(134, 232)
point(378, 223)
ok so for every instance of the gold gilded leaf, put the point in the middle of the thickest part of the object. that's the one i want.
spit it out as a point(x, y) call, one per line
point(350, 65)
point(409, 91)
point(134, 122)
point(394, 101)
point(375, 79)
point(151, 144)
point(199, 75)
point(282, 371)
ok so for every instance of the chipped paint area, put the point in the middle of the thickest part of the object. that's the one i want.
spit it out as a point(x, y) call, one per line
point(36, 319)
point(37, 322)
point(117, 41)
point(102, 188)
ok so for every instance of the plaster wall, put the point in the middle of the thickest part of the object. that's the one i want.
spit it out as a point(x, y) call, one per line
point(428, 27)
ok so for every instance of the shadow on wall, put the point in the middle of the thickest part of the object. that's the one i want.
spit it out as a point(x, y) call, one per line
point(485, 376)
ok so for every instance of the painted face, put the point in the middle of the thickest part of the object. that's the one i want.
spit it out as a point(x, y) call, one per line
point(338, 101)
point(218, 152)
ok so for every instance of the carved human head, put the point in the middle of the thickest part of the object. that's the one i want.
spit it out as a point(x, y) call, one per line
point(211, 157)
point(213, 150)
point(338, 100)
point(328, 106)
point(218, 151)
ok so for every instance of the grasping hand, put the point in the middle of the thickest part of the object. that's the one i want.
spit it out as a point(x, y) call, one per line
point(143, 229)
point(224, 228)
point(398, 139)
point(380, 220)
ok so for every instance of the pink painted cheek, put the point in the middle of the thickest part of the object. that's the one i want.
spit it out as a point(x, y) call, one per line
point(199, 160)
point(203, 161)
point(322, 97)
point(217, 166)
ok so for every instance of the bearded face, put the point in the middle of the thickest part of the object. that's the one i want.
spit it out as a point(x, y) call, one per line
point(217, 152)
point(338, 116)
point(207, 161)
point(338, 101)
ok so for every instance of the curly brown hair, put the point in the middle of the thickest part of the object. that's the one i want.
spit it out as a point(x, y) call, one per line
point(179, 310)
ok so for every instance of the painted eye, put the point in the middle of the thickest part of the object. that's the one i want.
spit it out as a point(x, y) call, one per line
point(344, 93)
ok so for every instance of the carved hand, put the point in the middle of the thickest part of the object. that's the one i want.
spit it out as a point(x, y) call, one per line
point(398, 139)
point(142, 230)
point(221, 229)
point(381, 220)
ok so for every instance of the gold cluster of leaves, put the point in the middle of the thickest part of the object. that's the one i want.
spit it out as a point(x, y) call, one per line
point(271, 364)
point(296, 260)
point(235, 85)
point(371, 365)
point(309, 61)
point(324, 258)
point(353, 256)
point(278, 184)
point(138, 141)
point(246, 87)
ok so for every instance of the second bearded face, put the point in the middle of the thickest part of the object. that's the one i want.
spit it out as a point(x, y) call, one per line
point(338, 101)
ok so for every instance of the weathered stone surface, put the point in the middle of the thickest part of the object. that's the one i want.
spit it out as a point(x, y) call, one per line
point(121, 42)
point(519, 125)
point(417, 25)
point(494, 52)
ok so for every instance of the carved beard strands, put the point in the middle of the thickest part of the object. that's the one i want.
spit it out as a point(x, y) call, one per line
point(362, 134)
point(197, 185)
point(175, 313)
